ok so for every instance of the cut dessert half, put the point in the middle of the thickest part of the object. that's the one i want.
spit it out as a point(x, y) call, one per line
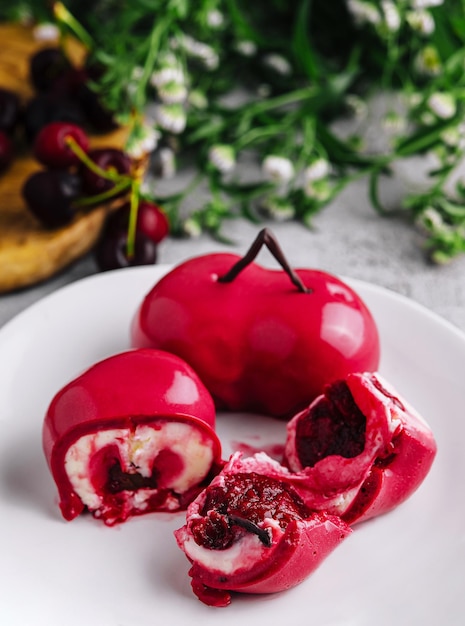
point(133, 434)
point(359, 449)
point(250, 531)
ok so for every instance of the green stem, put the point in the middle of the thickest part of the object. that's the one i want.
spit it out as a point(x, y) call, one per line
point(131, 242)
point(160, 28)
point(105, 196)
point(91, 165)
point(63, 16)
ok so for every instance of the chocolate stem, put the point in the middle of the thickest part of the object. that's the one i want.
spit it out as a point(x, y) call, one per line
point(251, 527)
point(264, 237)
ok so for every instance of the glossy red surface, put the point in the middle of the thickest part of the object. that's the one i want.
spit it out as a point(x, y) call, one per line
point(123, 391)
point(258, 343)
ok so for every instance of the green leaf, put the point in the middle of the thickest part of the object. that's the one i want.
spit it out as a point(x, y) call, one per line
point(301, 43)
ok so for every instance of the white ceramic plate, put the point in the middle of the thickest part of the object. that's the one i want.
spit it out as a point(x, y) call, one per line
point(407, 567)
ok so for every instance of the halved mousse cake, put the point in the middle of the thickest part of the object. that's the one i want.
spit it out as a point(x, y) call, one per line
point(250, 531)
point(134, 433)
point(360, 449)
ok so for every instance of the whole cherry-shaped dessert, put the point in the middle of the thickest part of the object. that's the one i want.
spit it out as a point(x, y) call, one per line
point(50, 194)
point(52, 144)
point(262, 340)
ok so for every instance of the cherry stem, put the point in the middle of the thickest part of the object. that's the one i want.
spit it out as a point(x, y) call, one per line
point(133, 211)
point(267, 238)
point(100, 198)
point(110, 174)
point(251, 527)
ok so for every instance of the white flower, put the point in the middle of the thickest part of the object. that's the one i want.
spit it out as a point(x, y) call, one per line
point(431, 220)
point(167, 74)
point(197, 99)
point(356, 105)
point(215, 19)
point(278, 63)
point(394, 123)
point(172, 92)
point(442, 104)
point(425, 4)
point(317, 170)
point(364, 12)
point(246, 48)
point(319, 190)
point(391, 15)
point(201, 51)
point(171, 117)
point(279, 209)
point(222, 157)
point(192, 228)
point(421, 21)
point(278, 169)
point(428, 62)
point(46, 32)
point(164, 163)
point(144, 142)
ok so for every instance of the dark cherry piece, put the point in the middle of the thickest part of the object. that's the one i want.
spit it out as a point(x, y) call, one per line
point(6, 151)
point(49, 195)
point(108, 159)
point(10, 110)
point(47, 108)
point(101, 120)
point(151, 220)
point(111, 250)
point(51, 149)
point(46, 66)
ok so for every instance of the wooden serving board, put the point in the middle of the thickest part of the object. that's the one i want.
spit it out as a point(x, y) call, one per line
point(28, 252)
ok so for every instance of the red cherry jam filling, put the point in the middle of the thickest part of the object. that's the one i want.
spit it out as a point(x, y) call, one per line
point(334, 425)
point(239, 505)
point(108, 477)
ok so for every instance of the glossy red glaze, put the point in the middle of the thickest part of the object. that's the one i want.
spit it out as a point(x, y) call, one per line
point(295, 551)
point(133, 388)
point(399, 450)
point(258, 343)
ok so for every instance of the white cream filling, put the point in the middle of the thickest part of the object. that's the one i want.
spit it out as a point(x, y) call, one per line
point(138, 449)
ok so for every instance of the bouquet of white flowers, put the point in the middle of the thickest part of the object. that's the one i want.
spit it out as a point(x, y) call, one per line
point(263, 106)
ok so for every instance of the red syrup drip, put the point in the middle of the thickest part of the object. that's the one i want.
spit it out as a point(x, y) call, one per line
point(209, 596)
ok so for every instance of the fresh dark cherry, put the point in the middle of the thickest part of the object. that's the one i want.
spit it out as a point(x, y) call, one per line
point(239, 505)
point(6, 151)
point(46, 66)
point(111, 250)
point(108, 159)
point(151, 220)
point(100, 118)
point(51, 149)
point(334, 425)
point(10, 110)
point(50, 194)
point(47, 108)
